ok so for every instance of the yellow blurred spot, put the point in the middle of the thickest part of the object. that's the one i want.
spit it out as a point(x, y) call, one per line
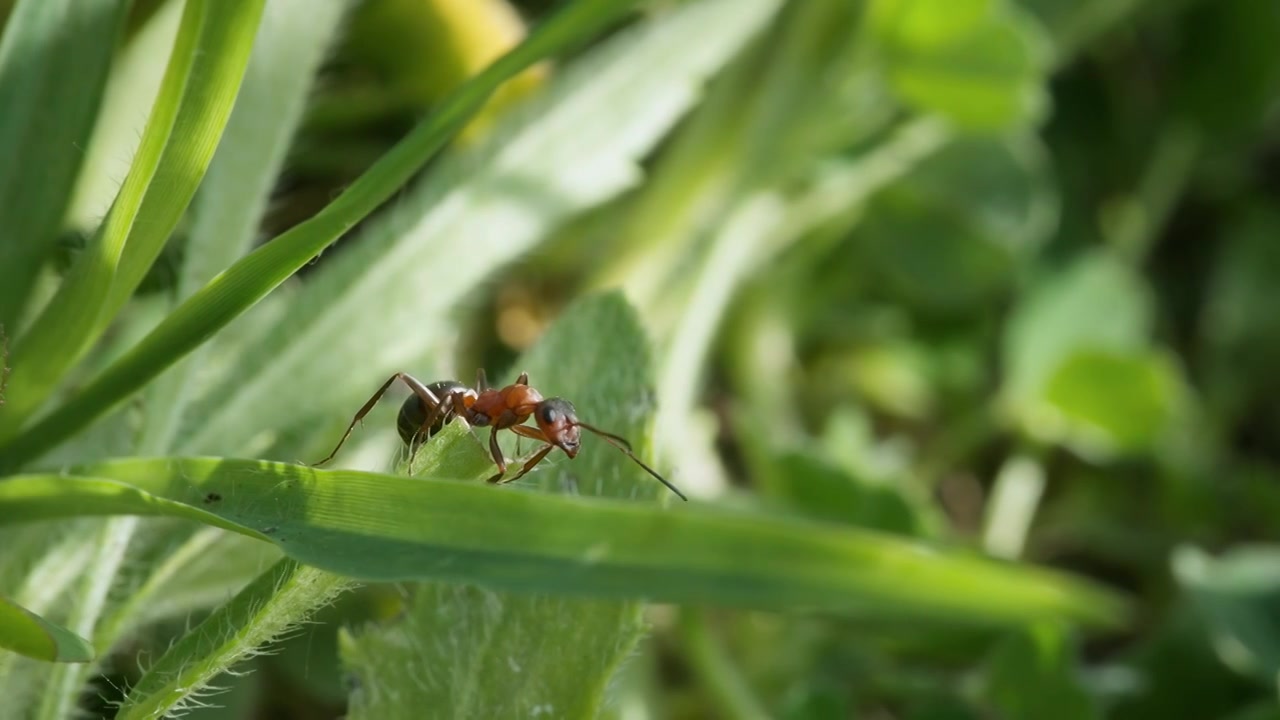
point(427, 48)
point(520, 321)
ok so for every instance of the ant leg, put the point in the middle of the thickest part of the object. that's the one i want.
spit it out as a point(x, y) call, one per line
point(442, 410)
point(496, 451)
point(537, 458)
point(420, 436)
point(413, 383)
point(530, 432)
point(451, 405)
point(534, 433)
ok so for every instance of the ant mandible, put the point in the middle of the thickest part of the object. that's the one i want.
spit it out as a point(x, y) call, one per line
point(425, 412)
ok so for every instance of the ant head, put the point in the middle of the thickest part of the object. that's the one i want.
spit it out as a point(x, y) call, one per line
point(558, 420)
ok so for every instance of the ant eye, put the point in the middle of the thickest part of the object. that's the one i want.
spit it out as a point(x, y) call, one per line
point(549, 414)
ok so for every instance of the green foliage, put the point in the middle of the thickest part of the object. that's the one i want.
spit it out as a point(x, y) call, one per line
point(23, 631)
point(52, 55)
point(955, 319)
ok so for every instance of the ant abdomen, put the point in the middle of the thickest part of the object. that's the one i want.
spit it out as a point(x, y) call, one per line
point(414, 412)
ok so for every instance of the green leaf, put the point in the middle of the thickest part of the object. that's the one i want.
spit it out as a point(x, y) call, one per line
point(1239, 595)
point(948, 236)
point(579, 143)
point(1113, 403)
point(1059, 318)
point(253, 277)
point(54, 59)
point(25, 632)
point(817, 486)
point(1032, 676)
point(198, 91)
point(490, 654)
point(980, 63)
point(42, 564)
point(385, 527)
point(279, 599)
point(494, 654)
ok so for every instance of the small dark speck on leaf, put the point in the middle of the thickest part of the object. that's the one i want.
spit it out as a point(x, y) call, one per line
point(212, 497)
point(269, 530)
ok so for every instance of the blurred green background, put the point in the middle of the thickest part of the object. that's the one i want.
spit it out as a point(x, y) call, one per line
point(1001, 273)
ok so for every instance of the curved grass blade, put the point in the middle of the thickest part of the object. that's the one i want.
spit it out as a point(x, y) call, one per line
point(54, 60)
point(199, 88)
point(250, 279)
point(26, 633)
point(574, 147)
point(291, 43)
point(279, 599)
point(386, 527)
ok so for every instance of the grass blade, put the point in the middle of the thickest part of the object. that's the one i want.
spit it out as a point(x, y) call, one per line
point(387, 527)
point(250, 279)
point(292, 40)
point(54, 59)
point(195, 99)
point(556, 158)
point(66, 681)
point(226, 43)
point(40, 589)
point(26, 633)
point(279, 599)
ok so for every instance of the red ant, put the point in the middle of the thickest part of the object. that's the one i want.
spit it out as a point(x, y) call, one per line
point(425, 412)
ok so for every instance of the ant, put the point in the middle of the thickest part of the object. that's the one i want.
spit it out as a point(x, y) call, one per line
point(425, 412)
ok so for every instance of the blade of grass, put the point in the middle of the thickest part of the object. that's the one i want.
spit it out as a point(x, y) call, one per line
point(54, 60)
point(226, 44)
point(136, 76)
point(751, 232)
point(716, 670)
point(195, 99)
point(205, 569)
point(386, 527)
point(250, 279)
point(279, 599)
point(573, 148)
point(292, 40)
point(426, 49)
point(26, 633)
point(64, 684)
point(40, 591)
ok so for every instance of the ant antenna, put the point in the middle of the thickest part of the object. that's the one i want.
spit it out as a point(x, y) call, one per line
point(625, 447)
